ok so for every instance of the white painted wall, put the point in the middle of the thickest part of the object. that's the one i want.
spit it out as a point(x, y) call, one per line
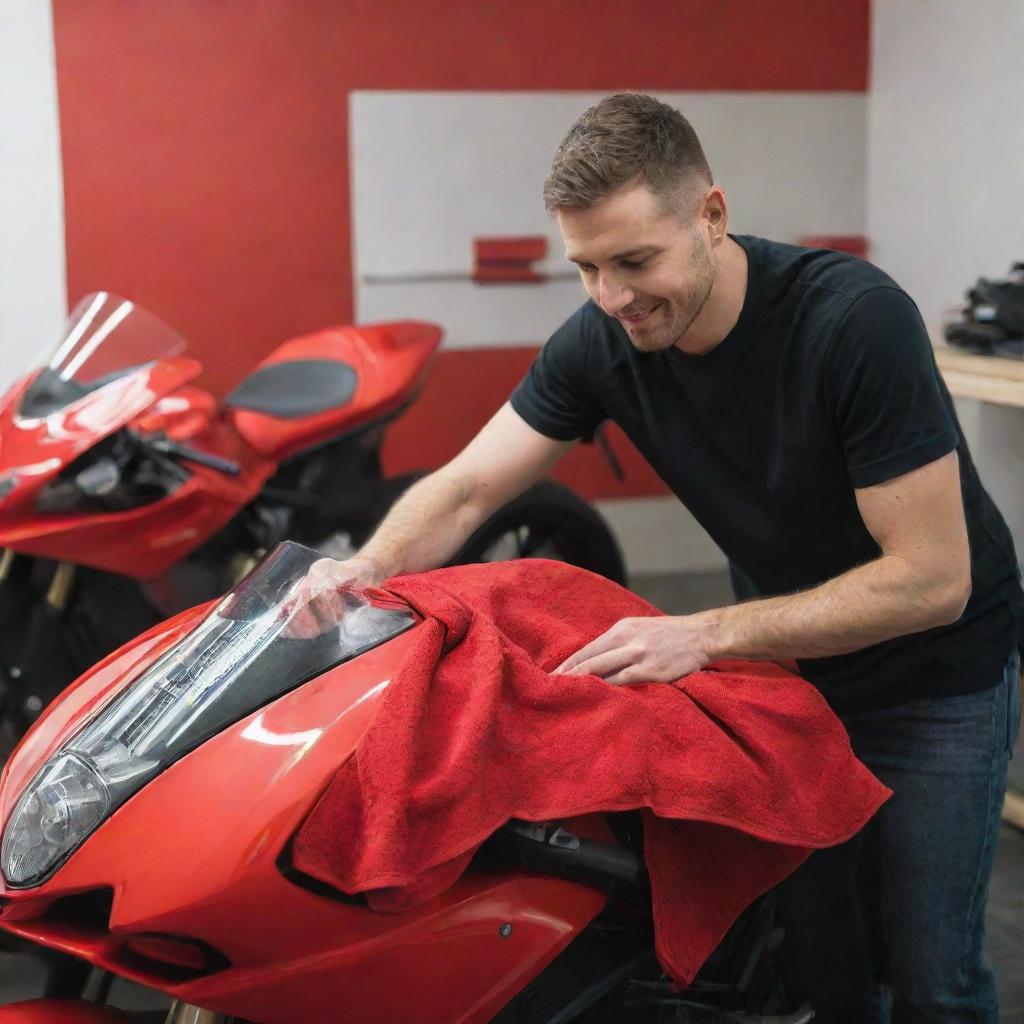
point(946, 144)
point(433, 170)
point(946, 180)
point(33, 294)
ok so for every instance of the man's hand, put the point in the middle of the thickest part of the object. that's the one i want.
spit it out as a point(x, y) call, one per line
point(660, 649)
point(317, 604)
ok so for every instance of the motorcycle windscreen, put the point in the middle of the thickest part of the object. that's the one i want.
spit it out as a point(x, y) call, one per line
point(106, 337)
point(246, 652)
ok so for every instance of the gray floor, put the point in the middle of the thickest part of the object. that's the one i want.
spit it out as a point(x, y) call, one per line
point(681, 595)
point(20, 976)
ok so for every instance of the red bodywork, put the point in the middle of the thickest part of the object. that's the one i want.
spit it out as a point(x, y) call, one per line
point(390, 361)
point(194, 861)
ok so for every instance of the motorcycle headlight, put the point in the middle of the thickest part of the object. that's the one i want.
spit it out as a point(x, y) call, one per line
point(63, 804)
point(237, 659)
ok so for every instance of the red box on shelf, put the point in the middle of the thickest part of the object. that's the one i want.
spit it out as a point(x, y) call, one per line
point(507, 260)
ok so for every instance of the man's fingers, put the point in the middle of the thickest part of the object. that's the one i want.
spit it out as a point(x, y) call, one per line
point(328, 606)
point(607, 641)
point(626, 676)
point(570, 663)
point(305, 591)
point(311, 614)
point(603, 664)
point(584, 654)
point(302, 625)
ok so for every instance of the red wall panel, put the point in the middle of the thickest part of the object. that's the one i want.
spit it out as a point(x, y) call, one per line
point(205, 143)
point(463, 392)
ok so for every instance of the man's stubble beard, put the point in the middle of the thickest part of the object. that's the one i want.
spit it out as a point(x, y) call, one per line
point(688, 305)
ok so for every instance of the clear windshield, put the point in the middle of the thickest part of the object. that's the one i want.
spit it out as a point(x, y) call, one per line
point(240, 657)
point(106, 337)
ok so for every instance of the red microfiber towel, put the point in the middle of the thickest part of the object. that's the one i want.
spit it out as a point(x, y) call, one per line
point(741, 770)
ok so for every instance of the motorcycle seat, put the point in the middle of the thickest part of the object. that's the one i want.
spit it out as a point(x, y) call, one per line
point(324, 385)
point(296, 388)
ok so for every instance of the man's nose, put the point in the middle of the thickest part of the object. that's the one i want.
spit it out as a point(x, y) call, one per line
point(613, 296)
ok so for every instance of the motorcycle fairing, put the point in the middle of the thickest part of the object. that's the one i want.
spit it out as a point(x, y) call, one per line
point(37, 448)
point(379, 365)
point(84, 697)
point(197, 854)
point(242, 655)
point(35, 451)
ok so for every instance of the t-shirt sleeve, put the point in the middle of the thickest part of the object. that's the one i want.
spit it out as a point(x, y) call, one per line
point(884, 389)
point(555, 397)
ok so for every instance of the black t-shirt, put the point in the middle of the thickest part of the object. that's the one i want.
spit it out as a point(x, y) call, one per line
point(827, 383)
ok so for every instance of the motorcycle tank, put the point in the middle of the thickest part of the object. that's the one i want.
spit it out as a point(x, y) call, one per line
point(210, 739)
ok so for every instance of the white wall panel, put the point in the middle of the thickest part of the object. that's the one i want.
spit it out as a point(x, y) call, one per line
point(946, 145)
point(33, 294)
point(946, 181)
point(431, 171)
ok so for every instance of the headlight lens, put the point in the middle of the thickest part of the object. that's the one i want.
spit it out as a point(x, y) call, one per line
point(232, 663)
point(64, 803)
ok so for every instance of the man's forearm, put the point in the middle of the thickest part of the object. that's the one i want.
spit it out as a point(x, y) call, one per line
point(876, 601)
point(425, 527)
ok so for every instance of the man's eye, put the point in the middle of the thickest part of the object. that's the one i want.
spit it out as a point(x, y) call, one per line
point(631, 265)
point(584, 268)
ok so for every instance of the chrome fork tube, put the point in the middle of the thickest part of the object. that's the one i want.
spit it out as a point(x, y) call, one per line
point(183, 1013)
point(60, 586)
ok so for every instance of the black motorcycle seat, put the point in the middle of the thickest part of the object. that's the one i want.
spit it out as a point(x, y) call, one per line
point(291, 390)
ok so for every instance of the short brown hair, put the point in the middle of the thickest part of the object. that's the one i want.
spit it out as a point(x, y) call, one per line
point(625, 137)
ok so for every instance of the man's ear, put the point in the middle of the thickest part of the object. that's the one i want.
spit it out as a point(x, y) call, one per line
point(715, 212)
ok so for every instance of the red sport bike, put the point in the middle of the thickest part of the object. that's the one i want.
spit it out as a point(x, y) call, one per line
point(128, 494)
point(147, 823)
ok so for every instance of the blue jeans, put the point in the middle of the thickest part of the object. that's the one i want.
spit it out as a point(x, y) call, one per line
point(891, 924)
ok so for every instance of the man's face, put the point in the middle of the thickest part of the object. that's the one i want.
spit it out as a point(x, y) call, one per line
point(650, 269)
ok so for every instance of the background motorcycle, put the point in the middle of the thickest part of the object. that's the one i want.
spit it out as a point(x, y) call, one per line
point(128, 494)
point(147, 822)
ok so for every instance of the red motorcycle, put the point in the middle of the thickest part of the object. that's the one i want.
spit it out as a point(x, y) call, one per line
point(147, 820)
point(128, 494)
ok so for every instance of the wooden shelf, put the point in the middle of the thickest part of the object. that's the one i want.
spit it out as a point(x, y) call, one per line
point(985, 378)
point(1013, 809)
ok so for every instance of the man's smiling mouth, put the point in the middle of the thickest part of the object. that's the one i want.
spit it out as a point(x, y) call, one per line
point(637, 318)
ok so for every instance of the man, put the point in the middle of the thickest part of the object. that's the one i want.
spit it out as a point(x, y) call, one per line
point(790, 399)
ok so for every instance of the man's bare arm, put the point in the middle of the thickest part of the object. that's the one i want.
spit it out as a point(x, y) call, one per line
point(435, 517)
point(920, 580)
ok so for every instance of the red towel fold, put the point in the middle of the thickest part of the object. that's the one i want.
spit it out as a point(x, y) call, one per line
point(742, 769)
